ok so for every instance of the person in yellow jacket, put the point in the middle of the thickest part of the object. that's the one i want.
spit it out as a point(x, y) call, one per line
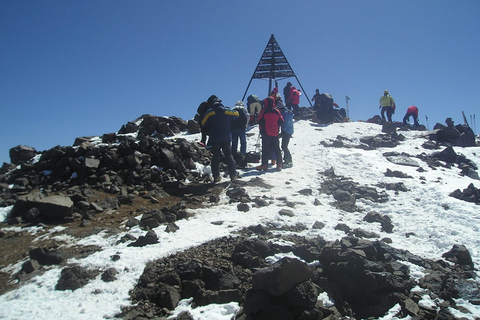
point(387, 104)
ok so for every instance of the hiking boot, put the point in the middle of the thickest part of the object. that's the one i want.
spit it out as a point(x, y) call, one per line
point(287, 164)
point(262, 168)
point(279, 167)
point(236, 176)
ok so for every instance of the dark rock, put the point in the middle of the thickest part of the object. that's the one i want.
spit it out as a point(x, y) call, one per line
point(303, 295)
point(318, 225)
point(281, 276)
point(54, 207)
point(150, 238)
point(75, 277)
point(448, 155)
point(30, 266)
point(459, 254)
point(385, 221)
point(171, 227)
point(243, 207)
point(286, 212)
point(343, 227)
point(110, 275)
point(21, 154)
point(46, 257)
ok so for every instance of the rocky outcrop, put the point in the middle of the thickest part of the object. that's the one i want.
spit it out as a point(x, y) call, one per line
point(365, 278)
point(137, 158)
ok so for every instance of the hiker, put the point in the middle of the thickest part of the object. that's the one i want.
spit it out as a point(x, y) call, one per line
point(387, 104)
point(412, 111)
point(295, 101)
point(239, 127)
point(274, 93)
point(219, 120)
point(254, 107)
point(287, 91)
point(270, 120)
point(202, 108)
point(286, 134)
point(324, 108)
point(316, 98)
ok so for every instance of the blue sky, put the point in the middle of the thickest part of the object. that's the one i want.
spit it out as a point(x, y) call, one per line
point(82, 68)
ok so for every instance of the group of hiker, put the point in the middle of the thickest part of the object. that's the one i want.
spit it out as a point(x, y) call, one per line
point(226, 127)
point(387, 105)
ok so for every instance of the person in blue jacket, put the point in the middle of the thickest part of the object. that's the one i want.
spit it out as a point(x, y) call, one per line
point(286, 134)
point(219, 119)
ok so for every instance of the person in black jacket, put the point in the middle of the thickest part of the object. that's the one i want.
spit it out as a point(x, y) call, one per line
point(219, 120)
point(202, 108)
point(239, 127)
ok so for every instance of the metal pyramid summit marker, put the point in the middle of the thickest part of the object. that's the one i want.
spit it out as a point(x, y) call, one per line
point(273, 65)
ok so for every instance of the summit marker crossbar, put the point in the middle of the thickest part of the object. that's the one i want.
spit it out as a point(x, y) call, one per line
point(274, 66)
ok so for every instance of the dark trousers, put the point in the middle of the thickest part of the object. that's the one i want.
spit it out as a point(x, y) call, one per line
point(296, 110)
point(407, 116)
point(269, 145)
point(239, 134)
point(217, 149)
point(389, 111)
point(286, 153)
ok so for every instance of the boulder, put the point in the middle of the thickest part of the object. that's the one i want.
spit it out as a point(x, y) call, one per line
point(281, 276)
point(52, 207)
point(21, 154)
point(75, 277)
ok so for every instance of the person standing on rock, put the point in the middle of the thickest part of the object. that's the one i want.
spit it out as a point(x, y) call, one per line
point(219, 120)
point(287, 92)
point(387, 104)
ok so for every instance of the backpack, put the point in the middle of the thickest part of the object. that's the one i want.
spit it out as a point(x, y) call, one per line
point(252, 98)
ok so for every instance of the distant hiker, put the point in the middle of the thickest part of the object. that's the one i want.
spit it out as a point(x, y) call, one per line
point(219, 120)
point(286, 134)
point(387, 104)
point(287, 91)
point(412, 111)
point(274, 93)
point(270, 120)
point(238, 128)
point(202, 108)
point(278, 102)
point(324, 107)
point(316, 98)
point(295, 101)
point(254, 107)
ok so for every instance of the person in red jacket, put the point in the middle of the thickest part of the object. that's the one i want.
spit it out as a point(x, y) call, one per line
point(295, 101)
point(412, 111)
point(270, 121)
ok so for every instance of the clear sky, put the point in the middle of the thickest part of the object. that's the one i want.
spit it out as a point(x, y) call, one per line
point(82, 68)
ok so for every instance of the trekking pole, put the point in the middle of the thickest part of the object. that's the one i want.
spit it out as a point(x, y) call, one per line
point(474, 125)
point(346, 99)
point(426, 118)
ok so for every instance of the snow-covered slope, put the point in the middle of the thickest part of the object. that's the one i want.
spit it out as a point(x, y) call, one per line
point(427, 221)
